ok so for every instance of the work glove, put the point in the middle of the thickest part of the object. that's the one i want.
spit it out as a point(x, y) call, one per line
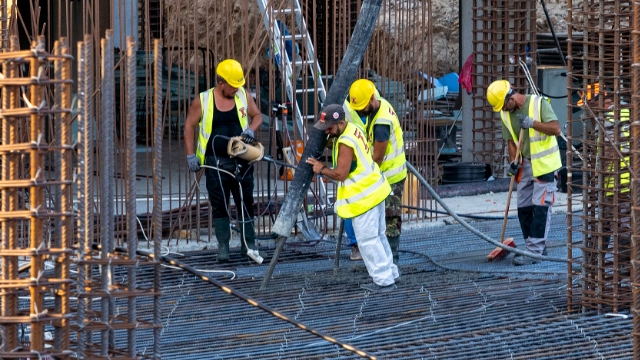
point(247, 136)
point(513, 169)
point(193, 162)
point(525, 121)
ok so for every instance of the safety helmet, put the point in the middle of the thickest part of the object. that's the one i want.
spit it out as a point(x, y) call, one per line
point(497, 92)
point(360, 93)
point(591, 93)
point(231, 71)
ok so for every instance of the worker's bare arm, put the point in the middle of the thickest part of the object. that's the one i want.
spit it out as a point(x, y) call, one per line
point(254, 114)
point(190, 125)
point(341, 171)
point(379, 149)
point(549, 128)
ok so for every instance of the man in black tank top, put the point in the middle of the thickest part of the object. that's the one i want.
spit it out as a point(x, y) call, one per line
point(235, 113)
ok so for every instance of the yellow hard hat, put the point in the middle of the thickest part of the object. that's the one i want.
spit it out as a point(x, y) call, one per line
point(591, 93)
point(231, 71)
point(360, 93)
point(497, 92)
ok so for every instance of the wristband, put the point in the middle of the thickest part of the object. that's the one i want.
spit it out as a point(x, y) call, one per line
point(321, 170)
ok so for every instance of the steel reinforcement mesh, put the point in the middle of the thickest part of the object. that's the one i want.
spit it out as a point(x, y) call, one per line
point(479, 311)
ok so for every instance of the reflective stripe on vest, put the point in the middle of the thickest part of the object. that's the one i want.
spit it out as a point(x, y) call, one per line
point(394, 163)
point(545, 153)
point(622, 171)
point(364, 187)
point(207, 100)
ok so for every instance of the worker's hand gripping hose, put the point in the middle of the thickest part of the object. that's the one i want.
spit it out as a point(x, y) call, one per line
point(471, 228)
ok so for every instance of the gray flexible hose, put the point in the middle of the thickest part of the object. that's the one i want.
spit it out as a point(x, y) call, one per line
point(471, 228)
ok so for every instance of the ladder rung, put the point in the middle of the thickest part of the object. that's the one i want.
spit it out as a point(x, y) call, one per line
point(300, 91)
point(295, 37)
point(304, 62)
point(285, 11)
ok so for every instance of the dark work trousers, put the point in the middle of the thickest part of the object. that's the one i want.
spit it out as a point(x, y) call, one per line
point(220, 185)
point(535, 201)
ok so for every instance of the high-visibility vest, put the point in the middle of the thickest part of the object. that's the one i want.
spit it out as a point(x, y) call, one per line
point(545, 154)
point(351, 115)
point(610, 180)
point(394, 163)
point(364, 187)
point(207, 100)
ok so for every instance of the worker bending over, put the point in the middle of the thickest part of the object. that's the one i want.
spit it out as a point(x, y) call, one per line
point(536, 172)
point(360, 196)
point(220, 113)
point(384, 136)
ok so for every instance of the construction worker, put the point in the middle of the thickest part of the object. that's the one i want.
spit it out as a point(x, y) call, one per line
point(616, 202)
point(384, 135)
point(219, 113)
point(536, 172)
point(352, 117)
point(361, 194)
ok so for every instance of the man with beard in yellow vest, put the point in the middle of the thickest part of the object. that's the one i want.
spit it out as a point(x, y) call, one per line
point(361, 194)
point(536, 172)
point(220, 113)
point(384, 135)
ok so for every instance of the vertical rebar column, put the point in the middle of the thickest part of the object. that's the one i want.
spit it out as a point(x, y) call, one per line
point(64, 199)
point(85, 193)
point(602, 79)
point(4, 26)
point(157, 196)
point(570, 245)
point(107, 167)
point(132, 234)
point(36, 201)
point(10, 95)
point(635, 179)
point(502, 30)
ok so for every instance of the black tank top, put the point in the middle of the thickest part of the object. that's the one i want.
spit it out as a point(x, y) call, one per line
point(225, 123)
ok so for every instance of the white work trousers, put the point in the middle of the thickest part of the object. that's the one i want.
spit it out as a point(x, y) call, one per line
point(374, 246)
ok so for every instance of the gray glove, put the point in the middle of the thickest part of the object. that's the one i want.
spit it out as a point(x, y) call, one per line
point(513, 169)
point(193, 162)
point(525, 121)
point(248, 136)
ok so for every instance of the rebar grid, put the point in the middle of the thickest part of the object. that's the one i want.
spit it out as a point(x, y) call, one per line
point(46, 212)
point(635, 176)
point(600, 103)
point(504, 33)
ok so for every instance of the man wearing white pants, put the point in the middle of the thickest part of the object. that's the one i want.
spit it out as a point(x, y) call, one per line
point(361, 192)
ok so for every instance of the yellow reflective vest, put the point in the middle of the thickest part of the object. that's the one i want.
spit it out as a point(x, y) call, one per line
point(394, 163)
point(623, 138)
point(545, 154)
point(206, 118)
point(364, 187)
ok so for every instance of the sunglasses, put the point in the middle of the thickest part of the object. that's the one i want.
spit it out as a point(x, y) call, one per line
point(506, 98)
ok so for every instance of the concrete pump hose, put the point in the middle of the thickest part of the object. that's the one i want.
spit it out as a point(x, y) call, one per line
point(249, 152)
point(471, 228)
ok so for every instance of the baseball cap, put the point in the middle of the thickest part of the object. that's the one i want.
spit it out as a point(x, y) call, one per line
point(331, 114)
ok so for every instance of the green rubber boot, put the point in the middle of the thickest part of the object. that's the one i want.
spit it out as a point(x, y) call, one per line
point(223, 234)
point(394, 243)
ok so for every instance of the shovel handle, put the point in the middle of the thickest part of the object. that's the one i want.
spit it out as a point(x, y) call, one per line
point(513, 180)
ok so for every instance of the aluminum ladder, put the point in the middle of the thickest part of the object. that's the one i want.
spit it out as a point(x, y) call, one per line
point(273, 16)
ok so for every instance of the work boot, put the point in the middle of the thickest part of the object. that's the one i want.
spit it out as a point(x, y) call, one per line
point(223, 234)
point(394, 243)
point(375, 288)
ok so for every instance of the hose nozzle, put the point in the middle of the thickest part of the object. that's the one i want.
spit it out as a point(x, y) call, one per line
point(255, 256)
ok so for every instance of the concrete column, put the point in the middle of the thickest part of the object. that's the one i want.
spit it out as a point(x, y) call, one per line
point(465, 14)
